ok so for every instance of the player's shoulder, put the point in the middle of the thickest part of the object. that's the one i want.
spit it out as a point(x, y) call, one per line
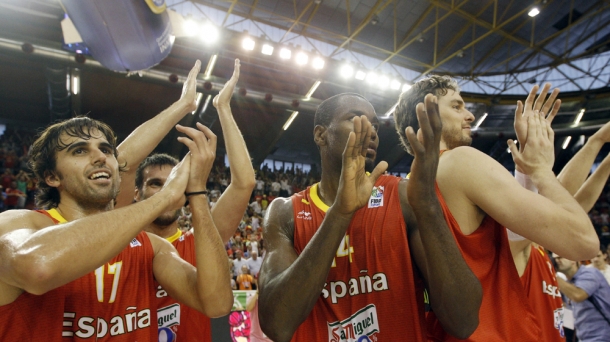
point(465, 159)
point(23, 219)
point(279, 218)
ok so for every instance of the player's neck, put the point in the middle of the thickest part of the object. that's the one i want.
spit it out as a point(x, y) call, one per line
point(72, 210)
point(163, 231)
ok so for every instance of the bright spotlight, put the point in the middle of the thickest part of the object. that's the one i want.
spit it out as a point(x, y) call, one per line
point(248, 44)
point(372, 77)
point(302, 58)
point(383, 82)
point(406, 87)
point(347, 71)
point(534, 12)
point(267, 49)
point(191, 27)
point(394, 85)
point(317, 63)
point(360, 75)
point(209, 33)
point(285, 53)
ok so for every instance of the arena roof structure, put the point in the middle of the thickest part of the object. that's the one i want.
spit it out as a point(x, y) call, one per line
point(496, 49)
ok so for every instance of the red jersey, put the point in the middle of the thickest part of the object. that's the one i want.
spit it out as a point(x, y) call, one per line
point(541, 287)
point(505, 313)
point(111, 302)
point(372, 292)
point(175, 319)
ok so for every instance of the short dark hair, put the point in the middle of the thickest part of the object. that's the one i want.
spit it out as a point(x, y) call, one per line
point(328, 108)
point(404, 113)
point(157, 159)
point(42, 154)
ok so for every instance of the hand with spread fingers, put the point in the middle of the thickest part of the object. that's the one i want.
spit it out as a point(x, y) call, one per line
point(355, 185)
point(426, 145)
point(202, 146)
point(189, 89)
point(548, 109)
point(538, 155)
point(223, 99)
point(177, 182)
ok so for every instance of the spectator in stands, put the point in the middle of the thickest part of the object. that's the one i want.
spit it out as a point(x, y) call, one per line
point(256, 207)
point(15, 199)
point(254, 264)
point(238, 263)
point(588, 293)
point(600, 262)
point(245, 281)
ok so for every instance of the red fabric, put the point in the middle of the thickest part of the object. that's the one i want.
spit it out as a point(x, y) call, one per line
point(120, 310)
point(505, 313)
point(372, 291)
point(12, 196)
point(541, 287)
point(193, 325)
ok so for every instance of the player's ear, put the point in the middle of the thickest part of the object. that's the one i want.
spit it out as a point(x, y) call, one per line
point(52, 179)
point(319, 135)
point(136, 194)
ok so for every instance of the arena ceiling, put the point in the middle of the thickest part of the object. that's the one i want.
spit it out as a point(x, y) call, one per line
point(492, 47)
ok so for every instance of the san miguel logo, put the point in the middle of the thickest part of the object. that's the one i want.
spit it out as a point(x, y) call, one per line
point(362, 326)
point(376, 199)
point(305, 215)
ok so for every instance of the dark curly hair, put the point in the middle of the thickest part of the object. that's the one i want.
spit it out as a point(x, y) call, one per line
point(158, 159)
point(405, 115)
point(42, 154)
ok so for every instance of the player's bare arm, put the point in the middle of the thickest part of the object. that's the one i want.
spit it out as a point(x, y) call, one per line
point(37, 256)
point(455, 292)
point(291, 284)
point(577, 169)
point(553, 219)
point(234, 199)
point(589, 192)
point(143, 140)
point(206, 287)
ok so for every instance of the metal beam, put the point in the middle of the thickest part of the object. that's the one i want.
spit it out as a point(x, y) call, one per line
point(311, 15)
point(296, 22)
point(378, 7)
point(229, 12)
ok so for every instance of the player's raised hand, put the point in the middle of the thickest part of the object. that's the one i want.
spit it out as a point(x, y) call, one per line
point(538, 155)
point(355, 185)
point(548, 108)
point(176, 183)
point(202, 146)
point(189, 89)
point(426, 150)
point(224, 96)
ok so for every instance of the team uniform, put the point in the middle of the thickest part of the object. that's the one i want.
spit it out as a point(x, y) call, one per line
point(372, 292)
point(541, 287)
point(109, 303)
point(176, 321)
point(505, 313)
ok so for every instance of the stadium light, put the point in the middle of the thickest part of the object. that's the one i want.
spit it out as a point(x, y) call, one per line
point(302, 58)
point(480, 121)
point(312, 90)
point(406, 87)
point(290, 119)
point(372, 77)
point(317, 63)
point(248, 44)
point(534, 12)
point(347, 71)
point(267, 49)
point(579, 117)
point(285, 53)
point(191, 27)
point(566, 142)
point(210, 67)
point(360, 75)
point(383, 82)
point(394, 85)
point(209, 33)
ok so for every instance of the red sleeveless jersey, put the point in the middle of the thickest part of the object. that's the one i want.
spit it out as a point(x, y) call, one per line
point(176, 321)
point(541, 287)
point(114, 302)
point(31, 317)
point(505, 313)
point(372, 292)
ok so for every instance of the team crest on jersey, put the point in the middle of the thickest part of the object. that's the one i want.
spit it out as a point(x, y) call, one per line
point(135, 243)
point(558, 315)
point(181, 238)
point(362, 326)
point(376, 199)
point(305, 215)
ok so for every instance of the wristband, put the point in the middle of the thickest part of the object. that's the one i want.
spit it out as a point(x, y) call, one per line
point(202, 192)
point(525, 181)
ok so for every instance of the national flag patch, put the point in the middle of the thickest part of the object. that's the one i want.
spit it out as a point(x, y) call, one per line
point(135, 243)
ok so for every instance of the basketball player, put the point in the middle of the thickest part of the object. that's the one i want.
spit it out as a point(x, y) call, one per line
point(177, 320)
point(76, 163)
point(533, 263)
point(345, 257)
point(479, 198)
